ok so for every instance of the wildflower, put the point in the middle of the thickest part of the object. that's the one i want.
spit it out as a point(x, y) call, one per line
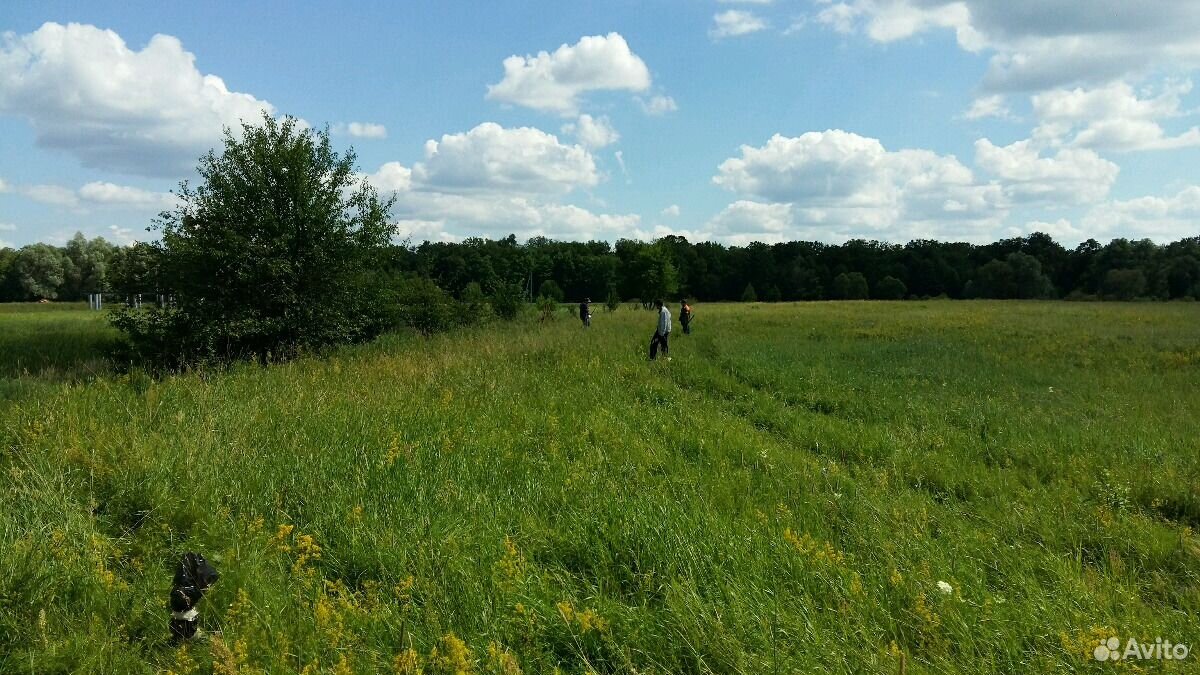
point(407, 662)
point(281, 537)
point(945, 588)
point(896, 578)
point(343, 667)
point(501, 661)
point(566, 610)
point(511, 567)
point(454, 658)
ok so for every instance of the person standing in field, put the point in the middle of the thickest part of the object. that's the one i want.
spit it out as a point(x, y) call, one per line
point(685, 316)
point(585, 312)
point(662, 333)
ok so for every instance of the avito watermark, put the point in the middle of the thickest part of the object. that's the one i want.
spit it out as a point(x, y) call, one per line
point(1160, 650)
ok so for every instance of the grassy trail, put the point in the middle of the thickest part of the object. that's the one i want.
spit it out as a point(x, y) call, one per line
point(784, 496)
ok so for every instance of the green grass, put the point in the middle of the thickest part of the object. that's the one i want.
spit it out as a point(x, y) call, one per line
point(42, 344)
point(784, 496)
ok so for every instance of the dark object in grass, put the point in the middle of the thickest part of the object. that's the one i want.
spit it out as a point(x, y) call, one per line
point(193, 576)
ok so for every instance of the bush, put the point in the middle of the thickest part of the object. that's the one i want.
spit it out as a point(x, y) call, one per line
point(476, 307)
point(613, 301)
point(852, 286)
point(550, 289)
point(546, 307)
point(890, 288)
point(506, 300)
point(425, 307)
point(271, 255)
point(749, 295)
point(1124, 284)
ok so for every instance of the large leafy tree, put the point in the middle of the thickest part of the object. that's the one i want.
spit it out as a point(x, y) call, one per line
point(39, 271)
point(275, 251)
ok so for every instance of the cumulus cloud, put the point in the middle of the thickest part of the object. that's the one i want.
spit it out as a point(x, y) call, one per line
point(744, 221)
point(367, 130)
point(1039, 44)
point(851, 185)
point(54, 195)
point(554, 82)
point(1160, 218)
point(99, 194)
point(489, 157)
point(85, 92)
point(104, 193)
point(1112, 117)
point(671, 211)
point(658, 105)
point(1070, 176)
point(492, 181)
point(988, 106)
point(735, 23)
point(7, 227)
point(592, 132)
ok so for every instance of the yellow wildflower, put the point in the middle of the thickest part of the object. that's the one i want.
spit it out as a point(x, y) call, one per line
point(407, 662)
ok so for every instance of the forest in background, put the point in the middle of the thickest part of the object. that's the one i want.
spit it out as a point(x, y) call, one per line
point(1034, 266)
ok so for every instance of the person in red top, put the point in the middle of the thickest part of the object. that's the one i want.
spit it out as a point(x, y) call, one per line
point(685, 316)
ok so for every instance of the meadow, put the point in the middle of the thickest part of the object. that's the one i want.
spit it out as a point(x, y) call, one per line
point(855, 487)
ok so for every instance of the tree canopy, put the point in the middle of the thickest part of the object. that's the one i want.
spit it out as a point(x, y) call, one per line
point(276, 250)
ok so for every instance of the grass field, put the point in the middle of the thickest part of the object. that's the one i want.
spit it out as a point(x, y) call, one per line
point(784, 496)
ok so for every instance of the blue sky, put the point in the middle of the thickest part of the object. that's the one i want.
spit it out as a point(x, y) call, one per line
point(731, 121)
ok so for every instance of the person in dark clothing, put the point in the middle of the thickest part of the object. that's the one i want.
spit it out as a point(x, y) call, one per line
point(585, 312)
point(662, 332)
point(685, 316)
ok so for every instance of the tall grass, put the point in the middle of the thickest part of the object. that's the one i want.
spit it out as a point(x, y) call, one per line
point(783, 496)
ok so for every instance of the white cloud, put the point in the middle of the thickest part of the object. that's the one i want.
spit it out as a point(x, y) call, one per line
point(391, 177)
point(97, 193)
point(497, 214)
point(671, 211)
point(523, 160)
point(492, 181)
point(988, 106)
point(850, 185)
point(54, 195)
point(3, 186)
point(1062, 230)
point(121, 235)
point(1113, 117)
point(1163, 219)
point(7, 227)
point(125, 196)
point(658, 105)
point(1072, 175)
point(1039, 44)
point(592, 132)
point(554, 81)
point(620, 157)
point(745, 221)
point(146, 112)
point(362, 130)
point(735, 23)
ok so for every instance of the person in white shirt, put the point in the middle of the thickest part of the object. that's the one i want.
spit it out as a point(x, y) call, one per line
point(662, 332)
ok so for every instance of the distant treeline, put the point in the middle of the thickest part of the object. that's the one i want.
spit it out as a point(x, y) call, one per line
point(1025, 267)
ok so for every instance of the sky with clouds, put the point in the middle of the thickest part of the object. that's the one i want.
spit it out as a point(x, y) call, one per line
point(729, 120)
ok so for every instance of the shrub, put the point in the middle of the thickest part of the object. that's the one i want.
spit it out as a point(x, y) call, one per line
point(1124, 284)
point(890, 288)
point(613, 301)
point(506, 300)
point(749, 295)
point(272, 254)
point(852, 286)
point(550, 289)
point(425, 307)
